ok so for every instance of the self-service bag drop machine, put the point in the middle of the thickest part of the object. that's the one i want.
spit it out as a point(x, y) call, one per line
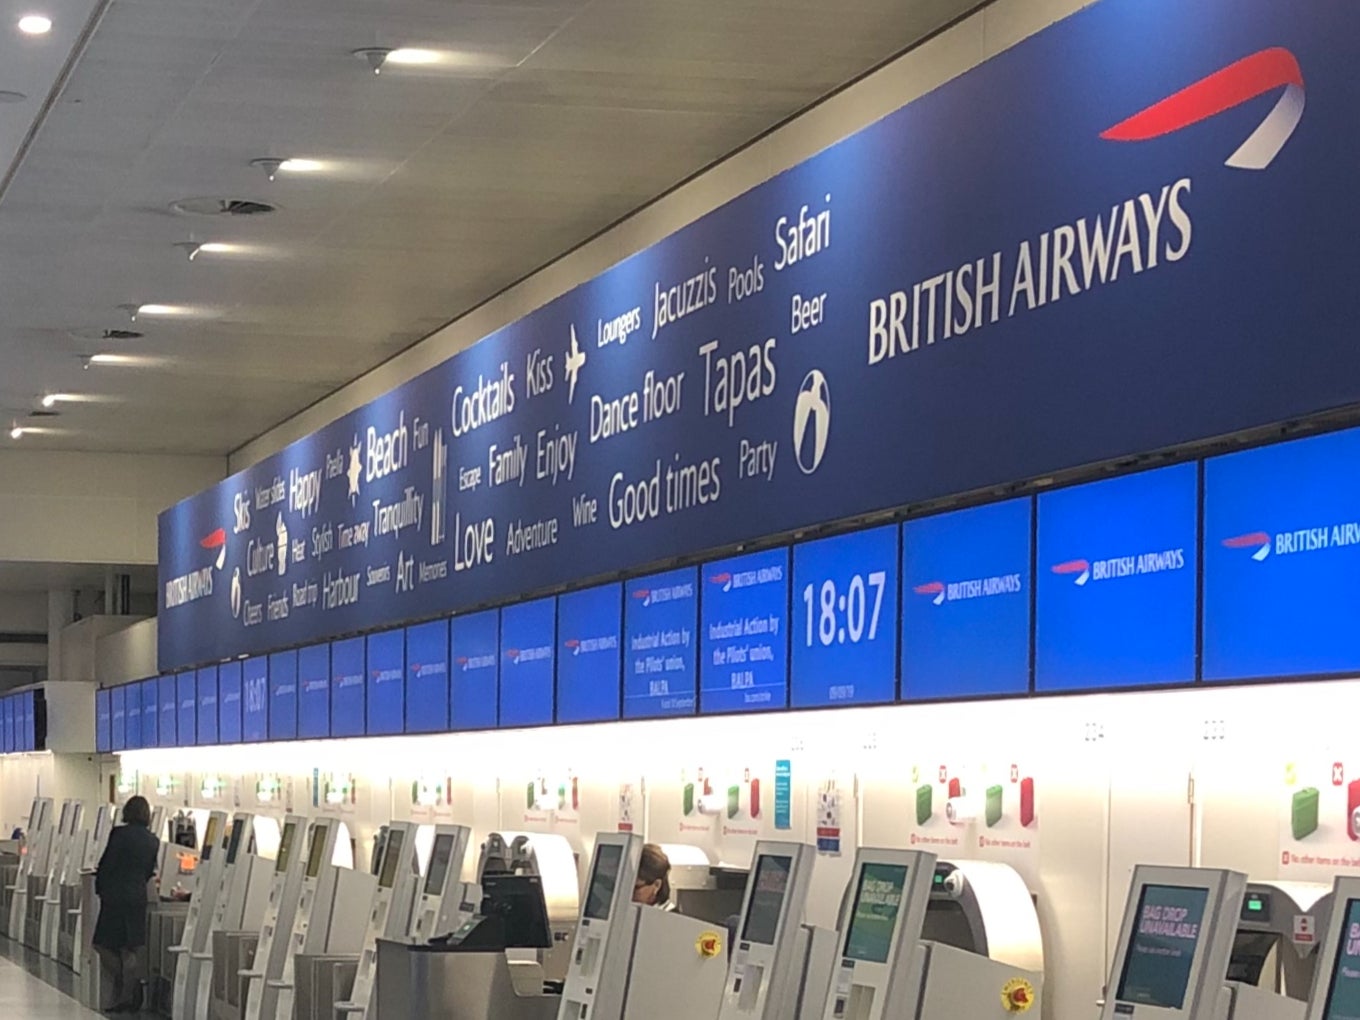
point(1175, 948)
point(202, 902)
point(1335, 993)
point(285, 888)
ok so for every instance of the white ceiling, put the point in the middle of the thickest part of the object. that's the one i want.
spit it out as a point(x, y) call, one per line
point(443, 186)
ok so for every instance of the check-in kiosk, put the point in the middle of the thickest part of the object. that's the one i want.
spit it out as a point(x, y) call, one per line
point(1277, 946)
point(1335, 994)
point(202, 904)
point(1175, 944)
point(390, 917)
point(240, 903)
point(61, 930)
point(673, 976)
point(32, 862)
point(63, 845)
point(445, 899)
point(99, 838)
point(780, 968)
point(285, 889)
point(331, 917)
point(878, 976)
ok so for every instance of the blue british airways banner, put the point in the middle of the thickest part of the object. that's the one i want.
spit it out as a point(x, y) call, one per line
point(1046, 263)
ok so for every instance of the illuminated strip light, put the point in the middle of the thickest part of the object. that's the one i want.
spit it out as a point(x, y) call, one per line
point(1236, 84)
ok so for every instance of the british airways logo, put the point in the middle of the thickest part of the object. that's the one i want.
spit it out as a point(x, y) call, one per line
point(1256, 540)
point(748, 578)
point(1224, 90)
point(940, 592)
point(1299, 540)
point(1114, 568)
point(586, 646)
point(934, 590)
point(467, 662)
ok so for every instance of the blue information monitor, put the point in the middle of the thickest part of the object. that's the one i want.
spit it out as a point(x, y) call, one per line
point(207, 706)
point(229, 703)
point(845, 620)
point(31, 721)
point(661, 644)
point(255, 700)
point(103, 721)
point(168, 725)
point(386, 683)
point(118, 704)
point(474, 683)
point(347, 688)
point(314, 692)
point(427, 677)
point(966, 602)
point(133, 740)
point(1281, 559)
point(744, 636)
point(528, 639)
point(1116, 582)
point(283, 696)
point(589, 663)
point(7, 730)
point(186, 695)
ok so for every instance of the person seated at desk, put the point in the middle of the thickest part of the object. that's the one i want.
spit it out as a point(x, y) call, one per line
point(653, 885)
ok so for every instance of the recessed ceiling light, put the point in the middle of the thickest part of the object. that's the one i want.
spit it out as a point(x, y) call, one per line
point(373, 56)
point(16, 432)
point(411, 56)
point(301, 166)
point(155, 309)
point(218, 248)
point(116, 359)
point(50, 400)
point(35, 24)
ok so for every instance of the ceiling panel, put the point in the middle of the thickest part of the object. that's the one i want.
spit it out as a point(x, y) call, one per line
point(442, 185)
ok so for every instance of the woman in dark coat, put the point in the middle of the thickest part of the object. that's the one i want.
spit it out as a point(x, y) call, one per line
point(128, 864)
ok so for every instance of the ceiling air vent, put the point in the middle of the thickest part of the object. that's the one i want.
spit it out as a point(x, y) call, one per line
point(44, 413)
point(221, 207)
point(118, 335)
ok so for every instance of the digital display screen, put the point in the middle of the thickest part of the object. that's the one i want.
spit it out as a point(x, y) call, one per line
point(316, 850)
point(314, 692)
point(386, 683)
point(238, 832)
point(528, 640)
point(347, 688)
point(966, 602)
point(661, 644)
point(1117, 582)
point(1343, 994)
point(103, 721)
point(31, 721)
point(285, 847)
point(283, 696)
point(168, 727)
point(255, 700)
point(589, 658)
point(118, 714)
point(474, 683)
point(134, 717)
point(873, 918)
point(769, 886)
point(1161, 953)
point(427, 677)
point(603, 881)
point(151, 714)
point(845, 620)
point(186, 693)
point(1281, 552)
point(744, 644)
point(207, 706)
point(440, 856)
point(210, 837)
point(7, 727)
point(392, 859)
point(229, 703)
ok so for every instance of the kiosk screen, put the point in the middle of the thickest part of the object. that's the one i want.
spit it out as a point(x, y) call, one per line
point(600, 895)
point(1161, 952)
point(238, 832)
point(873, 919)
point(767, 899)
point(440, 857)
point(285, 847)
point(209, 838)
point(316, 851)
point(391, 859)
point(1343, 997)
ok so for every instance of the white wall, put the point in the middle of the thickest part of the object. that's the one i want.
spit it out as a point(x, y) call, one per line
point(91, 508)
point(984, 35)
point(126, 654)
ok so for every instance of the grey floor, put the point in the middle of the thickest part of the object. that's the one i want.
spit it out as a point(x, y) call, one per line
point(36, 988)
